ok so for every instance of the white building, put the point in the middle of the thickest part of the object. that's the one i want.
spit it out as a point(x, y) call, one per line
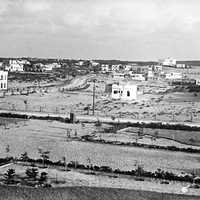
point(118, 75)
point(150, 74)
point(198, 82)
point(173, 75)
point(170, 62)
point(157, 68)
point(51, 66)
point(137, 77)
point(115, 67)
point(105, 68)
point(93, 63)
point(3, 80)
point(179, 65)
point(15, 66)
point(124, 91)
point(80, 63)
point(127, 67)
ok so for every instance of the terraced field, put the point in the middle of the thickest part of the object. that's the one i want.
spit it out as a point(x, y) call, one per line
point(51, 135)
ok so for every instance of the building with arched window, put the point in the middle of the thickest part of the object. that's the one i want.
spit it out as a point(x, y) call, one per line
point(3, 80)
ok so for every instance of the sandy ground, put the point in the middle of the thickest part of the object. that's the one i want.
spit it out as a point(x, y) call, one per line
point(174, 106)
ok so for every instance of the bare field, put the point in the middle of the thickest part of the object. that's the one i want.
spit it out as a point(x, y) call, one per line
point(151, 104)
point(51, 135)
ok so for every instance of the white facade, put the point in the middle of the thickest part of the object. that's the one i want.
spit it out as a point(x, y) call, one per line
point(127, 67)
point(173, 75)
point(118, 75)
point(3, 80)
point(169, 62)
point(181, 65)
point(198, 82)
point(105, 68)
point(150, 74)
point(93, 63)
point(51, 66)
point(15, 66)
point(116, 67)
point(137, 77)
point(124, 91)
point(157, 68)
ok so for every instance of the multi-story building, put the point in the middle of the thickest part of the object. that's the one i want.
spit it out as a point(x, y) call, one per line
point(14, 66)
point(3, 80)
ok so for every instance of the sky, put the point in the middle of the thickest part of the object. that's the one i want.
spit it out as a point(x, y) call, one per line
point(100, 29)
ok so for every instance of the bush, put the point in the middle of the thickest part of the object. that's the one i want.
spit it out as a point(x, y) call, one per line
point(32, 173)
point(9, 176)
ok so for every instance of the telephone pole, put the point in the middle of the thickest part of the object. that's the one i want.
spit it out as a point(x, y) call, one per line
point(93, 101)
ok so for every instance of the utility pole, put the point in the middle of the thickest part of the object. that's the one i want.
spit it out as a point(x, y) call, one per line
point(93, 102)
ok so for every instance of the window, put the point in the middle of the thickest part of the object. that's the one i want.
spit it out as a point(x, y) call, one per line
point(4, 85)
point(128, 93)
point(115, 91)
point(1, 85)
point(1, 77)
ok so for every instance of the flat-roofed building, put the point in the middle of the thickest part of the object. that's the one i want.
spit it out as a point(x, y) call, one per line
point(124, 91)
point(173, 75)
point(3, 80)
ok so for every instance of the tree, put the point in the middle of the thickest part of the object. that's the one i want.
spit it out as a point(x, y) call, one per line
point(7, 149)
point(32, 173)
point(43, 177)
point(64, 162)
point(9, 176)
point(44, 155)
point(24, 156)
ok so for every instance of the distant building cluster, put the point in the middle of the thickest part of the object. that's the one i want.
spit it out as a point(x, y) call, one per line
point(23, 65)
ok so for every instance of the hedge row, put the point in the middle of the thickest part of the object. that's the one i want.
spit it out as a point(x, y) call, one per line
point(138, 172)
point(89, 138)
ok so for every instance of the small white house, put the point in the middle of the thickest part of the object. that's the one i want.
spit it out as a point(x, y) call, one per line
point(124, 91)
point(3, 80)
point(173, 75)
